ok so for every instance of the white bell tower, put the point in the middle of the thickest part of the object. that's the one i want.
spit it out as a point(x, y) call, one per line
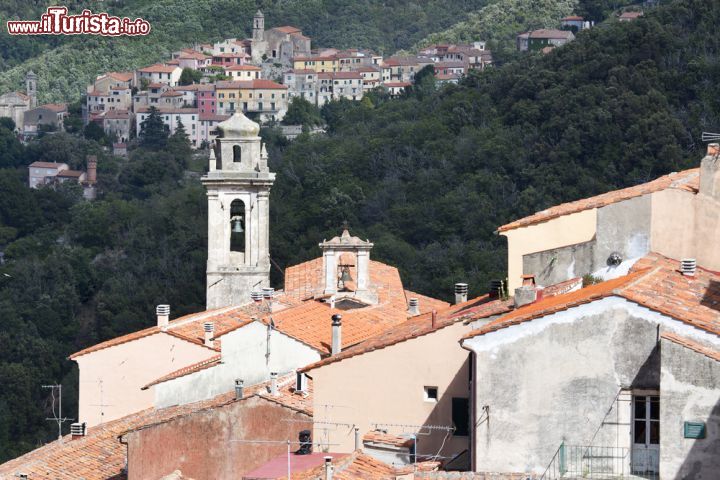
point(238, 188)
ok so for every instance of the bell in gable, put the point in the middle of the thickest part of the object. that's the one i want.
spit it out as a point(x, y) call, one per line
point(237, 224)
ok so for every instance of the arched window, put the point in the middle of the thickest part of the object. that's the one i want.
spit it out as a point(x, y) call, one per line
point(237, 154)
point(237, 226)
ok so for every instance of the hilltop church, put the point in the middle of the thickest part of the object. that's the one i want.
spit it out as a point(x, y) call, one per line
point(280, 44)
point(15, 104)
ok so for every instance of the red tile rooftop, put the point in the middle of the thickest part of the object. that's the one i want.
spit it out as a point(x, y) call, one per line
point(685, 180)
point(277, 467)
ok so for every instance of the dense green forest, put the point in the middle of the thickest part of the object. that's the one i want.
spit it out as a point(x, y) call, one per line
point(427, 178)
point(66, 65)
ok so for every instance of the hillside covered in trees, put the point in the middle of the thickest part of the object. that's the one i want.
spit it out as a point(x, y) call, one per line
point(427, 178)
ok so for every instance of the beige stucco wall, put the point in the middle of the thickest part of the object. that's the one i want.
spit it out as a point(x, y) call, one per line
point(113, 376)
point(559, 232)
point(387, 386)
point(686, 225)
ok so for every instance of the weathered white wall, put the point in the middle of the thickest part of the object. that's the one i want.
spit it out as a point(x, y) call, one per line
point(689, 391)
point(114, 376)
point(243, 356)
point(556, 379)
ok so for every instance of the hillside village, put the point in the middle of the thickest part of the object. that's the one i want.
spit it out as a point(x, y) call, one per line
point(598, 356)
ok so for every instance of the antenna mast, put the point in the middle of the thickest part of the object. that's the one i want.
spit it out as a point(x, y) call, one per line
point(58, 418)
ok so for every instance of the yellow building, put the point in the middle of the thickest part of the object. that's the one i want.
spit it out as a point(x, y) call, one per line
point(327, 64)
point(264, 97)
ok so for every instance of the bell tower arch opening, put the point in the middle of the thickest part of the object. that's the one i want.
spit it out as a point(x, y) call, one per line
point(237, 226)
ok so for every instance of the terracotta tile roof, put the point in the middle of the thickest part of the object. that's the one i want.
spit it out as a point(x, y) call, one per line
point(692, 345)
point(71, 173)
point(400, 61)
point(654, 282)
point(426, 304)
point(122, 76)
point(383, 438)
point(171, 93)
point(347, 76)
point(252, 68)
point(250, 84)
point(551, 33)
point(276, 468)
point(159, 68)
point(47, 165)
point(302, 71)
point(100, 455)
point(287, 29)
point(97, 93)
point(55, 107)
point(685, 180)
point(195, 367)
point(117, 114)
point(397, 84)
point(631, 15)
point(356, 466)
point(572, 18)
point(420, 325)
point(169, 110)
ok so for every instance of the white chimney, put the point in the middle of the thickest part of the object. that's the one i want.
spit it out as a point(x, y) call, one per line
point(77, 430)
point(461, 292)
point(413, 307)
point(273, 384)
point(328, 468)
point(688, 267)
point(239, 384)
point(336, 334)
point(300, 382)
point(163, 315)
point(209, 328)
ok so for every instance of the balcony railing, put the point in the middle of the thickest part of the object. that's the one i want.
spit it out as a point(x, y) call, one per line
point(602, 463)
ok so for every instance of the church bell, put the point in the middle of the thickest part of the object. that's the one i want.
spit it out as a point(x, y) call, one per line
point(237, 224)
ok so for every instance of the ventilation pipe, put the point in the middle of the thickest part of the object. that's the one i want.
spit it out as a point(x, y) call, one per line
point(461, 292)
point(273, 384)
point(688, 267)
point(329, 470)
point(413, 307)
point(300, 382)
point(163, 315)
point(336, 334)
point(357, 438)
point(209, 332)
point(239, 386)
point(78, 430)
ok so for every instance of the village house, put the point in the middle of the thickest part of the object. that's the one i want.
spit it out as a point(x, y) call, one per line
point(302, 83)
point(52, 173)
point(14, 104)
point(118, 124)
point(281, 44)
point(158, 73)
point(403, 69)
point(206, 99)
point(50, 116)
point(230, 45)
point(540, 39)
point(264, 98)
point(396, 88)
point(152, 443)
point(151, 95)
point(319, 64)
point(574, 23)
point(334, 86)
point(629, 16)
point(371, 75)
point(226, 60)
point(637, 335)
point(189, 94)
point(103, 83)
point(243, 72)
point(189, 58)
point(172, 117)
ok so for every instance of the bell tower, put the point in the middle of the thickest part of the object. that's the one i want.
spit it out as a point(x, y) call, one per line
point(238, 188)
point(259, 27)
point(31, 88)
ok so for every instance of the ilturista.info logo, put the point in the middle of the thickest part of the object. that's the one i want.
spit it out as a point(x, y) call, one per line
point(56, 21)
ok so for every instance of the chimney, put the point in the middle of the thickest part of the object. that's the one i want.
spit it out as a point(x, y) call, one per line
point(413, 307)
point(710, 172)
point(209, 332)
point(239, 385)
point(256, 297)
point(433, 318)
point(91, 169)
point(300, 382)
point(328, 468)
point(163, 315)
point(528, 280)
point(212, 161)
point(525, 295)
point(461, 292)
point(332, 301)
point(273, 384)
point(77, 430)
point(357, 438)
point(688, 266)
point(336, 334)
point(496, 288)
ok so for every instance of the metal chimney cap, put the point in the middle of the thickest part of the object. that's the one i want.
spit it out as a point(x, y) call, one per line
point(461, 288)
point(413, 302)
point(239, 382)
point(336, 319)
point(162, 310)
point(209, 327)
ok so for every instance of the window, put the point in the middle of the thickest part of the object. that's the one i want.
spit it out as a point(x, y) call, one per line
point(260, 106)
point(431, 394)
point(461, 416)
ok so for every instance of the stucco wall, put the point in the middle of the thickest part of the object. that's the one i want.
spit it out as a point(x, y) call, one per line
point(673, 223)
point(387, 386)
point(689, 391)
point(203, 445)
point(113, 376)
point(557, 378)
point(622, 227)
point(559, 232)
point(243, 356)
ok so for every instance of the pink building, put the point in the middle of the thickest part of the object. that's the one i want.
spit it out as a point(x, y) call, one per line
point(206, 99)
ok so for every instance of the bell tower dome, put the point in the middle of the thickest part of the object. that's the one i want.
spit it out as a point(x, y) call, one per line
point(238, 188)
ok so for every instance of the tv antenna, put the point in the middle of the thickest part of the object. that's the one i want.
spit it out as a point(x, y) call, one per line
point(57, 417)
point(710, 137)
point(102, 405)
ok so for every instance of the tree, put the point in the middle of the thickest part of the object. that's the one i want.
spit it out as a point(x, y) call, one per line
point(189, 76)
point(179, 145)
point(93, 131)
point(302, 112)
point(153, 131)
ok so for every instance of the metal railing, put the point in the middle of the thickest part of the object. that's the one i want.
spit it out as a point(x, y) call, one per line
point(602, 463)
